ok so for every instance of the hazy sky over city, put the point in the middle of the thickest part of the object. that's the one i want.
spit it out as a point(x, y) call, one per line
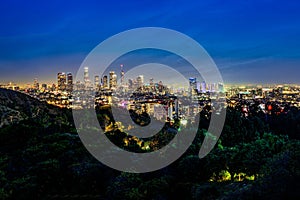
point(251, 41)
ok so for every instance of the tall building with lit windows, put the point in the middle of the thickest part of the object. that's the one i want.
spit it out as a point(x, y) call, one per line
point(96, 82)
point(61, 81)
point(220, 87)
point(69, 82)
point(87, 81)
point(140, 81)
point(130, 83)
point(203, 87)
point(36, 84)
point(112, 80)
point(192, 86)
point(122, 75)
point(105, 82)
point(86, 74)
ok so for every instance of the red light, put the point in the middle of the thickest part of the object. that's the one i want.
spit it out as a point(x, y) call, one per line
point(270, 107)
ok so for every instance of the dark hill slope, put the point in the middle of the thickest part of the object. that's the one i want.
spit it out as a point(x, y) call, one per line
point(16, 106)
point(23, 117)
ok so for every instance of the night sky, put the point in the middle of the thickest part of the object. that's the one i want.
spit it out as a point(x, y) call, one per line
point(251, 41)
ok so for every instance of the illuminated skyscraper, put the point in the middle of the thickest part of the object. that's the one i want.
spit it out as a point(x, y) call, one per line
point(214, 87)
point(122, 75)
point(151, 81)
point(203, 87)
point(221, 87)
point(160, 86)
point(130, 83)
point(97, 82)
point(61, 81)
point(86, 77)
point(140, 81)
point(198, 84)
point(105, 82)
point(193, 86)
point(112, 80)
point(36, 85)
point(70, 82)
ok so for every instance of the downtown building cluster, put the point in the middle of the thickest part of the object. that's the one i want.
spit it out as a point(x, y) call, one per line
point(159, 100)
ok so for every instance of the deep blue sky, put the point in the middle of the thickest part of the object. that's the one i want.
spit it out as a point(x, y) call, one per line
point(251, 41)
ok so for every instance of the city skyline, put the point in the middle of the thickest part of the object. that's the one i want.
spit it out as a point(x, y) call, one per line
point(251, 42)
point(65, 80)
point(144, 96)
point(150, 99)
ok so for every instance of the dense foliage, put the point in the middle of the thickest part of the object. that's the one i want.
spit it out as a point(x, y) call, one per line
point(42, 157)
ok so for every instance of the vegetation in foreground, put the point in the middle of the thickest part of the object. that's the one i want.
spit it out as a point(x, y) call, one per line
point(42, 157)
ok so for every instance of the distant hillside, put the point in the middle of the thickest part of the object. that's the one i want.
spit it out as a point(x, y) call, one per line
point(16, 106)
point(22, 118)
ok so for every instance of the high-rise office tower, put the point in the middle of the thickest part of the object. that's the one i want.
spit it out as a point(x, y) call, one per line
point(160, 86)
point(221, 87)
point(69, 82)
point(203, 87)
point(151, 81)
point(36, 85)
point(97, 82)
point(112, 80)
point(130, 83)
point(105, 82)
point(140, 81)
point(61, 81)
point(213, 87)
point(86, 77)
point(193, 86)
point(198, 86)
point(122, 75)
